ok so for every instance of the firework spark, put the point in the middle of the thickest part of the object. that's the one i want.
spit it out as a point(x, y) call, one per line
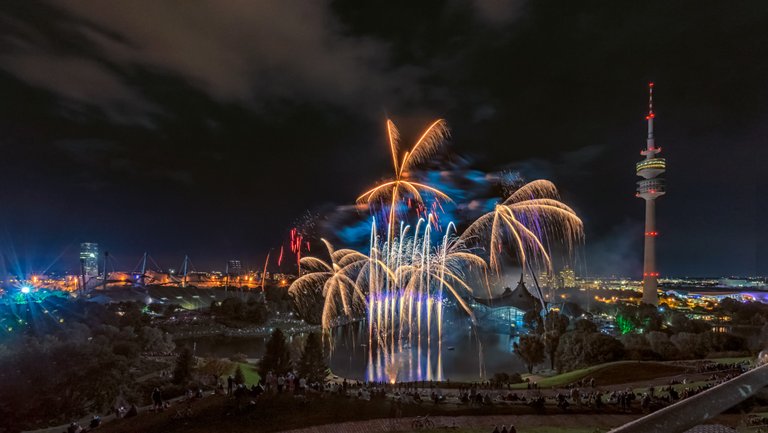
point(526, 220)
point(400, 186)
point(408, 279)
point(335, 280)
point(401, 285)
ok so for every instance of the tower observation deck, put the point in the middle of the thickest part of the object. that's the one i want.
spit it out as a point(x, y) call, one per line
point(649, 189)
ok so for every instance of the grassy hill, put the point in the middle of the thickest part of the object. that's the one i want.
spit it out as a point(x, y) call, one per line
point(612, 373)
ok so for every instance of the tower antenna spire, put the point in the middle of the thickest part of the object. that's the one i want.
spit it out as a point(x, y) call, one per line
point(650, 116)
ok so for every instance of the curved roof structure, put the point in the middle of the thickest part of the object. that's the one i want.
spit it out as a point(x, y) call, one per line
point(519, 298)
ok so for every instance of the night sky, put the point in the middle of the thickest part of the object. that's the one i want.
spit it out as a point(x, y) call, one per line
point(209, 128)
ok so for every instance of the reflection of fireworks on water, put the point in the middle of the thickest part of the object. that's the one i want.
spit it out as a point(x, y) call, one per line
point(530, 217)
point(407, 280)
point(409, 273)
point(403, 283)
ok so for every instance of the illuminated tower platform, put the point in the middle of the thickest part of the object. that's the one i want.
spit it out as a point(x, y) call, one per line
point(650, 188)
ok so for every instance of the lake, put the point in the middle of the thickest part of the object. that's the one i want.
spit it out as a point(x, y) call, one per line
point(465, 354)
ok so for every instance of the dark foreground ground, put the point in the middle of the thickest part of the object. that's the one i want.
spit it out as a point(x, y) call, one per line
point(332, 412)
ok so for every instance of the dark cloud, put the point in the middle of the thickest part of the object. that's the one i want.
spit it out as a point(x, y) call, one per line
point(239, 50)
point(499, 12)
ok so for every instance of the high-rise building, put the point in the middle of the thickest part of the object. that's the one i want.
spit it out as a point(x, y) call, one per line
point(650, 188)
point(234, 267)
point(547, 279)
point(89, 255)
point(568, 277)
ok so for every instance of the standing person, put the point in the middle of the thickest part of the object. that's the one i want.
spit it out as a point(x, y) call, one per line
point(157, 399)
point(280, 384)
point(302, 385)
point(230, 385)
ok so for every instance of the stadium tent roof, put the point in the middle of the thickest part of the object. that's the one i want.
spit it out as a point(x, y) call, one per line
point(519, 298)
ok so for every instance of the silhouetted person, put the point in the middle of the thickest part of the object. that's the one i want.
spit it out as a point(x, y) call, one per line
point(157, 398)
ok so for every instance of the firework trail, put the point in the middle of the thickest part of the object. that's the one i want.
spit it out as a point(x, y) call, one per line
point(264, 277)
point(335, 281)
point(400, 287)
point(407, 279)
point(296, 244)
point(400, 187)
point(530, 217)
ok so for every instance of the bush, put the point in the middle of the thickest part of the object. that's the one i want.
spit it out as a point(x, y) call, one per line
point(239, 357)
point(579, 349)
point(689, 345)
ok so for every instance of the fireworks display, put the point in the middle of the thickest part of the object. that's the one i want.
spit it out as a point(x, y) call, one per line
point(332, 281)
point(407, 281)
point(529, 218)
point(412, 273)
point(400, 186)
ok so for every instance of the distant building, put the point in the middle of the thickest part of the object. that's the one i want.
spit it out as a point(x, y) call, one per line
point(505, 312)
point(568, 278)
point(234, 267)
point(548, 280)
point(89, 255)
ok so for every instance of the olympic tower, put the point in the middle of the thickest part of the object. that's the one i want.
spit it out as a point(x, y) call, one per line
point(651, 187)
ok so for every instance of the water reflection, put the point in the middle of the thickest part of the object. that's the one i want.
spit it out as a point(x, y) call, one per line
point(464, 355)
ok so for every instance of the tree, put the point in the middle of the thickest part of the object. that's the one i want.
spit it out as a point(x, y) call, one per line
point(681, 323)
point(579, 349)
point(312, 364)
point(532, 320)
point(637, 347)
point(584, 325)
point(760, 342)
point(154, 340)
point(648, 318)
point(255, 311)
point(531, 350)
point(660, 344)
point(215, 367)
point(689, 345)
point(277, 356)
point(239, 376)
point(721, 342)
point(231, 307)
point(184, 364)
point(555, 325)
